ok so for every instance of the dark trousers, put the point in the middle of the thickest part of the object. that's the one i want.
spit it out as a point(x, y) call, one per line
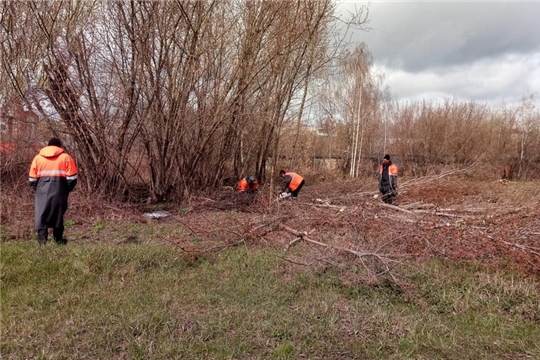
point(58, 234)
point(388, 196)
point(295, 192)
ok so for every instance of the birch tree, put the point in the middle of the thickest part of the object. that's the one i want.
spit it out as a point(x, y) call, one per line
point(354, 97)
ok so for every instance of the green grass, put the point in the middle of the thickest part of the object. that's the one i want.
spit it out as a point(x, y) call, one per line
point(148, 301)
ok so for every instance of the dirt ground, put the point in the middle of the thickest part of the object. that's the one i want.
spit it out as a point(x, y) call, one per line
point(495, 223)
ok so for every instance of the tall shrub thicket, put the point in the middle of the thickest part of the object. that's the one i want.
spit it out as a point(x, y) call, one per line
point(187, 95)
point(176, 95)
point(426, 137)
point(502, 140)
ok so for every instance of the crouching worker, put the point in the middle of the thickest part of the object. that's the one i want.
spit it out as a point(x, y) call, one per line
point(291, 185)
point(53, 175)
point(248, 185)
point(388, 173)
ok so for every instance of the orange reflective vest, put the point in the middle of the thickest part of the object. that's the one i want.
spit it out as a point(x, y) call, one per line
point(244, 186)
point(295, 180)
point(392, 170)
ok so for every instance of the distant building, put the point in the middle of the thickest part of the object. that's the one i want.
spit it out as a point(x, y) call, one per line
point(18, 132)
point(16, 122)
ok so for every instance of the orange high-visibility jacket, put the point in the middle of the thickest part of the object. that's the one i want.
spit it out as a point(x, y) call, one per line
point(244, 186)
point(392, 170)
point(53, 174)
point(295, 180)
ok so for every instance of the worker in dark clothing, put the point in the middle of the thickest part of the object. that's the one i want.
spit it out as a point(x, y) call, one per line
point(388, 173)
point(248, 185)
point(291, 185)
point(53, 175)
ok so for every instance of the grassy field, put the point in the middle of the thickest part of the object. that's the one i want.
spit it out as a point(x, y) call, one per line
point(147, 300)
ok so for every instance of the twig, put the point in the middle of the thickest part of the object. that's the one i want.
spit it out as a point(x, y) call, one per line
point(292, 243)
point(416, 205)
point(383, 260)
point(523, 247)
point(438, 213)
point(341, 207)
point(267, 223)
point(394, 207)
point(180, 247)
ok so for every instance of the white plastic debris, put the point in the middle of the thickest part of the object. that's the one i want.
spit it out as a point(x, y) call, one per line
point(157, 214)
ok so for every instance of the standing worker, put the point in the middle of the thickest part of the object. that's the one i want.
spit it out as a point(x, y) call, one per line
point(248, 185)
point(53, 175)
point(388, 173)
point(292, 184)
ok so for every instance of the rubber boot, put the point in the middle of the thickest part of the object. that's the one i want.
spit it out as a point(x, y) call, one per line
point(42, 236)
point(58, 236)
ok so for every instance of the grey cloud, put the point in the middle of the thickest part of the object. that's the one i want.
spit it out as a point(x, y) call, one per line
point(417, 36)
point(505, 79)
point(481, 51)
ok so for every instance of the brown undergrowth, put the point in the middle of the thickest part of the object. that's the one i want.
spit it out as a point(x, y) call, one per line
point(340, 223)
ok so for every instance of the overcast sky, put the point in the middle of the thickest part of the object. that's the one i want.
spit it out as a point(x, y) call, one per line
point(487, 52)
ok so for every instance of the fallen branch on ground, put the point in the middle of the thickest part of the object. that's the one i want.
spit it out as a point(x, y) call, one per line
point(524, 248)
point(397, 208)
point(438, 213)
point(382, 259)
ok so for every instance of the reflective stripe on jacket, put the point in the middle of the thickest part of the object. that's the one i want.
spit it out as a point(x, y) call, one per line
point(53, 161)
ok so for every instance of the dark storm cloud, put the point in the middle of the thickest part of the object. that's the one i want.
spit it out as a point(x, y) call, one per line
point(486, 51)
point(419, 35)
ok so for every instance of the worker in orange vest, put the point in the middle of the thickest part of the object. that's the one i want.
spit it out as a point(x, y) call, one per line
point(53, 175)
point(291, 185)
point(248, 185)
point(388, 173)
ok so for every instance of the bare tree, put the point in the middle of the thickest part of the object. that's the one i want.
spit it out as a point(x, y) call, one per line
point(354, 97)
